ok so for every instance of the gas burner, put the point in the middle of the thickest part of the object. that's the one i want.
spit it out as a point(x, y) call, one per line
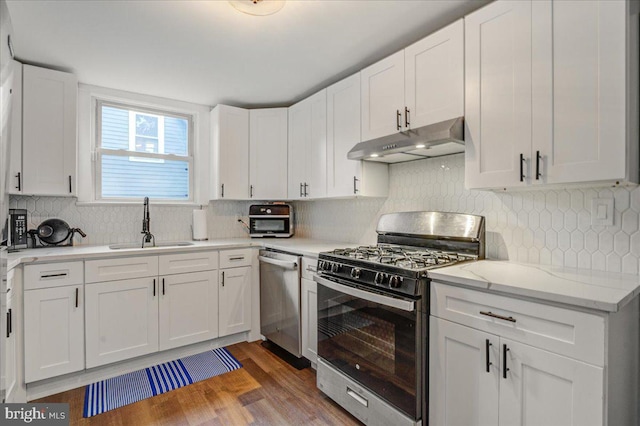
point(401, 256)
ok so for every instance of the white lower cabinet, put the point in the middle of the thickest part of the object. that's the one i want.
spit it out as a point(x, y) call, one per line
point(122, 320)
point(472, 385)
point(235, 300)
point(188, 311)
point(309, 308)
point(495, 360)
point(53, 331)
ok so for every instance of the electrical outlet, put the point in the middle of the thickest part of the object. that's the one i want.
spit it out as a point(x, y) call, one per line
point(602, 211)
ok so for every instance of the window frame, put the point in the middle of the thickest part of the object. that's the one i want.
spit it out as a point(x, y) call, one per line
point(141, 156)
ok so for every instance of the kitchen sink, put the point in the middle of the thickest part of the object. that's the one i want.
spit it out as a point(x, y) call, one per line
point(150, 245)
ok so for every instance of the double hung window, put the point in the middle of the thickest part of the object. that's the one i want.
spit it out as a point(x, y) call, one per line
point(142, 152)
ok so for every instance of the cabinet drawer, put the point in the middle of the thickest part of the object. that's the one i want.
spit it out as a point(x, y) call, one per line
point(576, 334)
point(188, 262)
point(309, 266)
point(235, 258)
point(46, 275)
point(120, 269)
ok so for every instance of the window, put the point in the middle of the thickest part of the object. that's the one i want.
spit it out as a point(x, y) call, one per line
point(143, 153)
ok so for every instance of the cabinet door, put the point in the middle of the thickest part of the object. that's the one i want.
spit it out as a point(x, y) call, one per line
point(15, 162)
point(298, 141)
point(462, 392)
point(230, 153)
point(10, 358)
point(49, 104)
point(53, 332)
point(235, 300)
point(122, 320)
point(316, 152)
point(543, 388)
point(343, 132)
point(434, 77)
point(188, 311)
point(382, 94)
point(309, 310)
point(498, 95)
point(268, 153)
point(579, 95)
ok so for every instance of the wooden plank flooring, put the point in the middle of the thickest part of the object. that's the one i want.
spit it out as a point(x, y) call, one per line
point(266, 391)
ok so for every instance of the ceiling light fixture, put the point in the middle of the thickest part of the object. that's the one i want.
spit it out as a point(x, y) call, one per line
point(258, 7)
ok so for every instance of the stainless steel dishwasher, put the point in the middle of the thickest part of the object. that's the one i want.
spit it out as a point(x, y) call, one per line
point(280, 300)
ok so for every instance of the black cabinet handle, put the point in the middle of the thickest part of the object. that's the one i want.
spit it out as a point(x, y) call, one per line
point(250, 191)
point(398, 115)
point(306, 194)
point(538, 157)
point(19, 176)
point(154, 287)
point(9, 323)
point(77, 296)
point(70, 189)
point(504, 364)
point(300, 189)
point(406, 117)
point(222, 194)
point(487, 345)
point(521, 167)
point(355, 186)
point(492, 315)
point(222, 278)
point(163, 286)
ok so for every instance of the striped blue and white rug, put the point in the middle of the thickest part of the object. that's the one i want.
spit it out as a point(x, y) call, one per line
point(119, 391)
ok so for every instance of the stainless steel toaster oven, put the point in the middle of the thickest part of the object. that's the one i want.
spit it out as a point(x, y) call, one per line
point(271, 220)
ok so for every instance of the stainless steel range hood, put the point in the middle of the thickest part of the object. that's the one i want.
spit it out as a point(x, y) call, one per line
point(434, 140)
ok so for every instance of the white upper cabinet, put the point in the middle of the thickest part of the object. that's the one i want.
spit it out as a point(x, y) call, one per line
point(434, 77)
point(268, 154)
point(422, 84)
point(498, 94)
point(49, 117)
point(348, 178)
point(15, 162)
point(579, 91)
point(383, 97)
point(551, 94)
point(308, 148)
point(229, 153)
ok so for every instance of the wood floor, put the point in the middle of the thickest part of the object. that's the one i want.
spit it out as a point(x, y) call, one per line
point(266, 391)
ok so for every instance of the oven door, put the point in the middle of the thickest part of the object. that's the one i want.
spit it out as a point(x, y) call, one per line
point(270, 226)
point(373, 339)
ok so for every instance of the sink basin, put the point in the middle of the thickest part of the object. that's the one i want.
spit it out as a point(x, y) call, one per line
point(149, 245)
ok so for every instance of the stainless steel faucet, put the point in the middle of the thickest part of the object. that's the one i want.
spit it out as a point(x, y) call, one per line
point(146, 225)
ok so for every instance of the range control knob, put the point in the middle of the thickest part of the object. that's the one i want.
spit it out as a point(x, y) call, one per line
point(380, 277)
point(320, 266)
point(395, 281)
point(335, 268)
point(355, 273)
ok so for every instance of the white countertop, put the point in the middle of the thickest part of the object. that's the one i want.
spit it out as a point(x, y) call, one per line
point(604, 291)
point(303, 246)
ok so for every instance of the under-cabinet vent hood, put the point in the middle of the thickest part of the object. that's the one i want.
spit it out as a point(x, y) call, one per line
point(434, 140)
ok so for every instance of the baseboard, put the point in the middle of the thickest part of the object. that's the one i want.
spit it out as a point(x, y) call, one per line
point(44, 388)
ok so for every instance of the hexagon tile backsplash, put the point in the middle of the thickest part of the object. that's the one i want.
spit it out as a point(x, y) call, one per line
point(551, 226)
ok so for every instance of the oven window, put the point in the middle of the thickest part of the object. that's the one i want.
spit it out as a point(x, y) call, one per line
point(371, 343)
point(269, 225)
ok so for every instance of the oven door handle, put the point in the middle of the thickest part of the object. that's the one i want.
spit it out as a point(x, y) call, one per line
point(280, 263)
point(405, 305)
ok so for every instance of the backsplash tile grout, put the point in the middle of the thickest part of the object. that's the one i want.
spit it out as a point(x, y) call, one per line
point(546, 226)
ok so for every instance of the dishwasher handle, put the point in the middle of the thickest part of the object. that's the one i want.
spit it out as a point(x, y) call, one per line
point(280, 263)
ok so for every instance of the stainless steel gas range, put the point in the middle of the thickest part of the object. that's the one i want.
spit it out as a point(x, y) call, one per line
point(373, 312)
